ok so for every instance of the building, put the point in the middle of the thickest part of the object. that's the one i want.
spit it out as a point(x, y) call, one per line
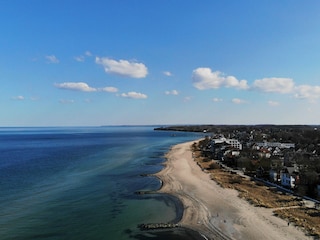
point(264, 153)
point(234, 143)
point(275, 145)
point(289, 177)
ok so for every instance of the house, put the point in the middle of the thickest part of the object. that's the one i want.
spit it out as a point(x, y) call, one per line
point(277, 152)
point(233, 153)
point(264, 153)
point(289, 177)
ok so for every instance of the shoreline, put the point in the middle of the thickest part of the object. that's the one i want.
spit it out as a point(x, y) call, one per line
point(215, 212)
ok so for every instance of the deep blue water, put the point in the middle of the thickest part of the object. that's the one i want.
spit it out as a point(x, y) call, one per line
point(81, 183)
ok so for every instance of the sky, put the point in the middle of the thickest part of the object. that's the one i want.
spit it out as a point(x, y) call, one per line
point(142, 62)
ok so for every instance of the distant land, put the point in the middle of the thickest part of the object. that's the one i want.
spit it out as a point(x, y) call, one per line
point(218, 128)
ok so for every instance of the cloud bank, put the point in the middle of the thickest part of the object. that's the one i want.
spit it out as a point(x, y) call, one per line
point(205, 78)
point(287, 86)
point(123, 68)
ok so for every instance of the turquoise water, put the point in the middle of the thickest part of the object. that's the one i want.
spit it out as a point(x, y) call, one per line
point(81, 183)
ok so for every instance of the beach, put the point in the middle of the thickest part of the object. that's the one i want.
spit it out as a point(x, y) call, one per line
point(216, 212)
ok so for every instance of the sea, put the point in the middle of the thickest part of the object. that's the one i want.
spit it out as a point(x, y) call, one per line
point(85, 183)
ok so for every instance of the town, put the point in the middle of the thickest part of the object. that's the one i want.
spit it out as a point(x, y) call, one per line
point(285, 155)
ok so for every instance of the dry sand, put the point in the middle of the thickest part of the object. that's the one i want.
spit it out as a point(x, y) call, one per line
point(215, 212)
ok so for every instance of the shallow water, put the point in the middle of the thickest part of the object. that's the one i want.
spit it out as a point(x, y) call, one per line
point(80, 183)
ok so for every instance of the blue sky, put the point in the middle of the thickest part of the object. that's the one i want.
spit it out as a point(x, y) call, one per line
point(88, 63)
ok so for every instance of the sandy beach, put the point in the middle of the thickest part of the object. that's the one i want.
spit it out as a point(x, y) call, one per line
point(216, 212)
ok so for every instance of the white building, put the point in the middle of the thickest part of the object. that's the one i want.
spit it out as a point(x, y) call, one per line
point(233, 142)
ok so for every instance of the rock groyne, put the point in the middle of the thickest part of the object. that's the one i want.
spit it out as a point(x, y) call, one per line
point(154, 226)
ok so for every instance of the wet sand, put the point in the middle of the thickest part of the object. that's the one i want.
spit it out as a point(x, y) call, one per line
point(213, 211)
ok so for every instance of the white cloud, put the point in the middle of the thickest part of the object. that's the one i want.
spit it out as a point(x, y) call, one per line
point(287, 86)
point(187, 99)
point(134, 95)
point(79, 58)
point(76, 86)
point(275, 85)
point(34, 98)
point(123, 67)
point(88, 53)
point(66, 101)
point(307, 92)
point(52, 59)
point(238, 101)
point(172, 92)
point(108, 89)
point(82, 58)
point(231, 81)
point(273, 103)
point(204, 78)
point(217, 99)
point(20, 98)
point(167, 73)
point(83, 87)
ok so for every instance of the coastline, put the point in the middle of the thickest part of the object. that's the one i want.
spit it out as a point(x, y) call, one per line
point(213, 211)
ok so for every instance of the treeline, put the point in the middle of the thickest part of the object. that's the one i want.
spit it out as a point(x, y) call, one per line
point(304, 136)
point(229, 128)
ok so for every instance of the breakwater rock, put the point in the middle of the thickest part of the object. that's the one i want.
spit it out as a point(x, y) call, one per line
point(144, 192)
point(154, 226)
